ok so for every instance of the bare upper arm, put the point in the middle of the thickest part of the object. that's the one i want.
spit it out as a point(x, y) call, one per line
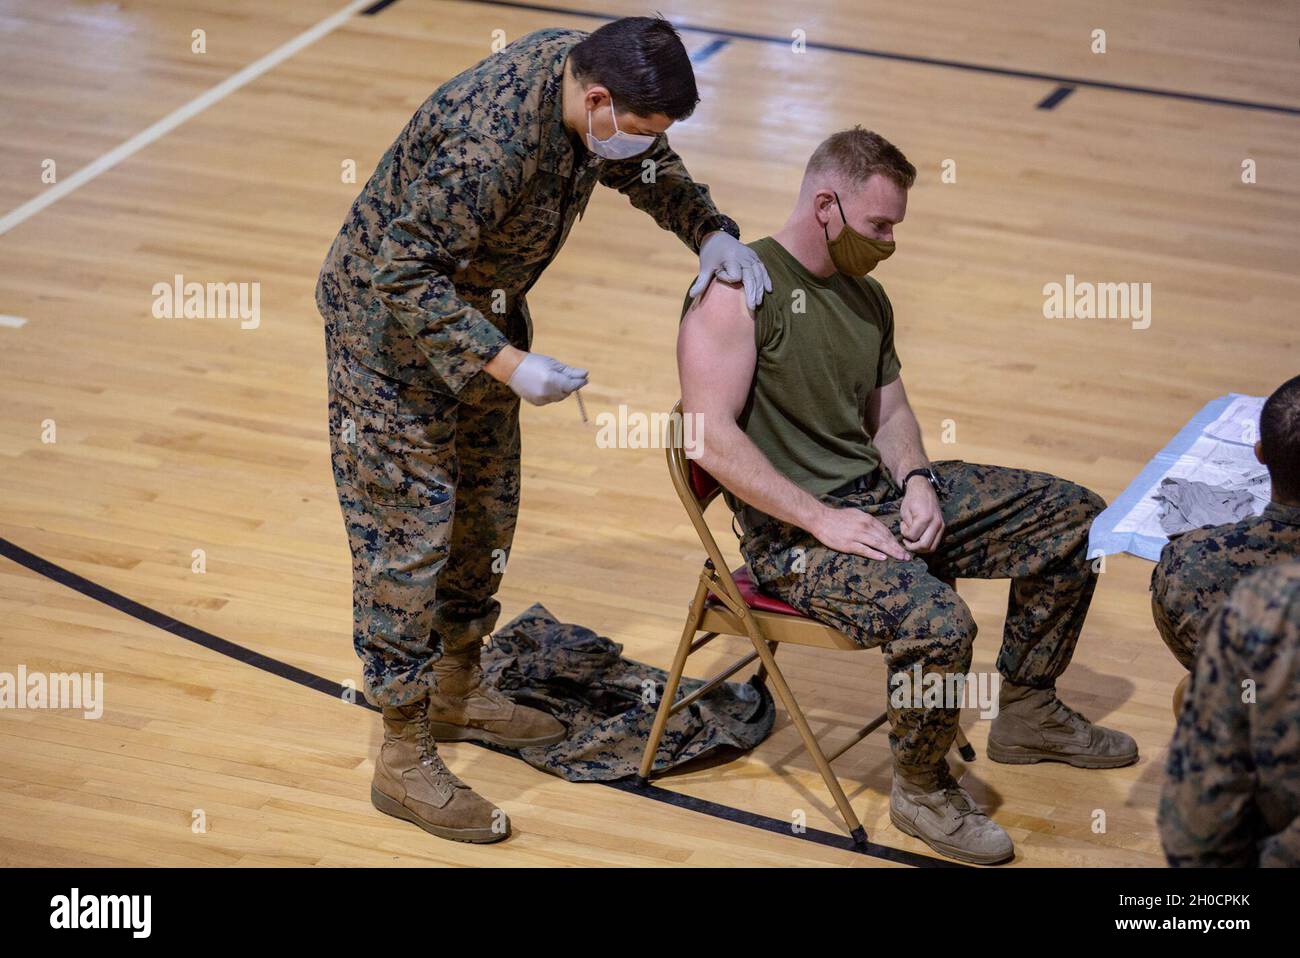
point(716, 353)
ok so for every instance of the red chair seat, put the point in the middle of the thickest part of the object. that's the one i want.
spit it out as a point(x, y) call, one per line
point(756, 600)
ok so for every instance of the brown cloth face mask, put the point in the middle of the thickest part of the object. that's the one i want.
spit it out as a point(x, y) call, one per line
point(852, 253)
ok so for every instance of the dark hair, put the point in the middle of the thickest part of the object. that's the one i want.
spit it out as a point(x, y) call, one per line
point(643, 64)
point(1279, 437)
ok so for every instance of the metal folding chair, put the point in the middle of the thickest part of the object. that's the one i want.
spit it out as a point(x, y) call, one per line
point(730, 603)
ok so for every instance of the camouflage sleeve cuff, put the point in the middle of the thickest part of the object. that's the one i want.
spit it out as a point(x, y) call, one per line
point(718, 221)
point(479, 345)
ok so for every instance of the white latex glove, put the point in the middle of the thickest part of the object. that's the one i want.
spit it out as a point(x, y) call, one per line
point(541, 379)
point(732, 261)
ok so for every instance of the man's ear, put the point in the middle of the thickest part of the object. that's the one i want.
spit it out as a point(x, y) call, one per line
point(1259, 451)
point(595, 97)
point(823, 203)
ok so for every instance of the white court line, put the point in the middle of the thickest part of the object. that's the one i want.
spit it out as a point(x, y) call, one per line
point(14, 322)
point(178, 116)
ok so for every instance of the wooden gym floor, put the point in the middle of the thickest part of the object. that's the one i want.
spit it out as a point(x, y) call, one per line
point(173, 435)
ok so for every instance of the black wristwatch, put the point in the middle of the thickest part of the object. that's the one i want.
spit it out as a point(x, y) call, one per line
point(722, 222)
point(930, 477)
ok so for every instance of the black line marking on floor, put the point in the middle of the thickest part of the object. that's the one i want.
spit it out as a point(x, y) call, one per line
point(165, 622)
point(778, 827)
point(374, 8)
point(1050, 101)
point(709, 49)
point(921, 60)
point(318, 683)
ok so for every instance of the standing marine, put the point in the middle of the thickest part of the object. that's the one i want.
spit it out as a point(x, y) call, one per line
point(428, 339)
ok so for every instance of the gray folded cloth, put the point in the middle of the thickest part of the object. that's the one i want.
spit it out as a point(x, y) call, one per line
point(1189, 504)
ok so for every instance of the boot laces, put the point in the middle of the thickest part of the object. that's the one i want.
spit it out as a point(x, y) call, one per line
point(1064, 714)
point(957, 796)
point(429, 757)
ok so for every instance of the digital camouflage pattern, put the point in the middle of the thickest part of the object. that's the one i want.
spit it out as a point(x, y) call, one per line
point(1232, 791)
point(1198, 569)
point(1001, 523)
point(426, 280)
point(406, 461)
point(583, 680)
point(423, 285)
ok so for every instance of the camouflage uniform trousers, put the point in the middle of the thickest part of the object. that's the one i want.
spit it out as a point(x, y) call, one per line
point(429, 488)
point(1030, 527)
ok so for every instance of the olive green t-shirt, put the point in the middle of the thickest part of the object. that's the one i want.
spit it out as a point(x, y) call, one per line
point(824, 345)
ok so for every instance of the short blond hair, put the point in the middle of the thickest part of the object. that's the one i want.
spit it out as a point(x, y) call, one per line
point(857, 155)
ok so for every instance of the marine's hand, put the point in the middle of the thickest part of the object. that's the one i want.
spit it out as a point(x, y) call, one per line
point(733, 262)
point(921, 517)
point(541, 379)
point(858, 533)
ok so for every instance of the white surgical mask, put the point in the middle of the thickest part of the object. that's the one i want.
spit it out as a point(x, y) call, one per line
point(621, 145)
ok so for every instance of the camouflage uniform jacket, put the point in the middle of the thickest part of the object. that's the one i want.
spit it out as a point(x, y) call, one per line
point(425, 281)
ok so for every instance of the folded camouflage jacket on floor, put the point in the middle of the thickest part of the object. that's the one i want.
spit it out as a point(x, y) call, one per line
point(609, 702)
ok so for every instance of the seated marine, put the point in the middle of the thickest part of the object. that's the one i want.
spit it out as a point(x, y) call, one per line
point(806, 424)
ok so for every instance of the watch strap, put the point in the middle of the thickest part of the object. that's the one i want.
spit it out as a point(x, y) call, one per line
point(927, 472)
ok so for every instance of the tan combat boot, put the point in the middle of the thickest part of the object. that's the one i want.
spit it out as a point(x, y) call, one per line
point(936, 809)
point(1033, 725)
point(463, 708)
point(412, 783)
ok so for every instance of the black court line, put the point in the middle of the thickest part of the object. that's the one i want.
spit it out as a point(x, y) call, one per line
point(374, 8)
point(1052, 99)
point(913, 58)
point(333, 689)
point(709, 49)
